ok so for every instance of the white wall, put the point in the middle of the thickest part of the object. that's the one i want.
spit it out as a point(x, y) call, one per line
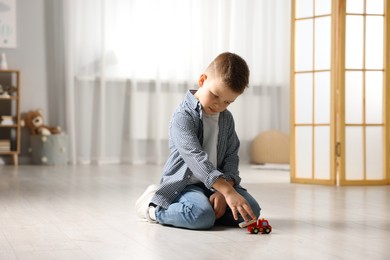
point(30, 57)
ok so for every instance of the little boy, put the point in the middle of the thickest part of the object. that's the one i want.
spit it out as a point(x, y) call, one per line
point(200, 186)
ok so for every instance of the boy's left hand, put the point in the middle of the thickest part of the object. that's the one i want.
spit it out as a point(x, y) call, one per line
point(219, 204)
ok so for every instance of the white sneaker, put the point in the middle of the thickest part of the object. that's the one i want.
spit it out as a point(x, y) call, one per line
point(142, 204)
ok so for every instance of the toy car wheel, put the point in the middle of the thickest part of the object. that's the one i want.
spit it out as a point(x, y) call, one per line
point(255, 231)
point(267, 230)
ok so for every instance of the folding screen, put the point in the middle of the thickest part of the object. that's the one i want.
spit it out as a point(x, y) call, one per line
point(339, 129)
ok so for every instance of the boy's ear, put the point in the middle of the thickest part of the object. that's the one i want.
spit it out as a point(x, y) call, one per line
point(201, 79)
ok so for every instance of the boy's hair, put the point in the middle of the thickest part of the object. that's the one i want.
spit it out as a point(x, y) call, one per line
point(232, 69)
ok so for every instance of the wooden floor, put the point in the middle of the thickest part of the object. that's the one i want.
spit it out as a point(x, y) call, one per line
point(87, 212)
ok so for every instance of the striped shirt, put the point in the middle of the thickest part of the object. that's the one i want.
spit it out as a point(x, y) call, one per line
point(187, 156)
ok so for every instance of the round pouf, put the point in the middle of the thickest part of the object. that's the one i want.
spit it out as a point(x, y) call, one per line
point(271, 147)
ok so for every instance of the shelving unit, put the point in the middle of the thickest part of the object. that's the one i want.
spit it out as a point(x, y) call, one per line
point(10, 114)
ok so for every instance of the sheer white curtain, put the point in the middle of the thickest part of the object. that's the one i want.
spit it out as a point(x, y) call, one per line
point(129, 63)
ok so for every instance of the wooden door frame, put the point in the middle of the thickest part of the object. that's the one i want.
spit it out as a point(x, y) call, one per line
point(341, 101)
point(332, 125)
point(337, 124)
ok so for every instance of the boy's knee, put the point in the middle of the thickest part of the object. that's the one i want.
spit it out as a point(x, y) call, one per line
point(256, 209)
point(202, 218)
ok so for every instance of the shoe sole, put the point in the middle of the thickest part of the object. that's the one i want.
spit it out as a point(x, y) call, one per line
point(149, 192)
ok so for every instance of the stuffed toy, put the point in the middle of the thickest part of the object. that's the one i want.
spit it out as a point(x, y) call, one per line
point(33, 120)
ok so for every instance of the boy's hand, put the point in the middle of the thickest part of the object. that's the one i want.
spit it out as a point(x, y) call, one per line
point(238, 204)
point(219, 204)
point(235, 201)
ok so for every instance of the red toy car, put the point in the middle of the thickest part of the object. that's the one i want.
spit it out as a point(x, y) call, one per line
point(256, 226)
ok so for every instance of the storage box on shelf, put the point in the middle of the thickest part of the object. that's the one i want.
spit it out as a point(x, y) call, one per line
point(10, 114)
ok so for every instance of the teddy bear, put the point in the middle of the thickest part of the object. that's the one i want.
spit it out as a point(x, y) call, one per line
point(33, 120)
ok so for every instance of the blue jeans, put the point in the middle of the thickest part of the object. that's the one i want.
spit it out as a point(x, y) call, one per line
point(192, 210)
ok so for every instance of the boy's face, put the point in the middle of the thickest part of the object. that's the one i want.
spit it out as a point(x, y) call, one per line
point(214, 96)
